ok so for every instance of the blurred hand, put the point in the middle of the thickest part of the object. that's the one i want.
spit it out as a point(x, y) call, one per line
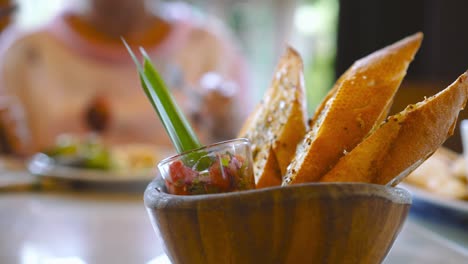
point(98, 115)
point(14, 134)
point(215, 109)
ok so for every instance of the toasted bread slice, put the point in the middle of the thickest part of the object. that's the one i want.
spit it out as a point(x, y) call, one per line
point(279, 122)
point(359, 101)
point(405, 140)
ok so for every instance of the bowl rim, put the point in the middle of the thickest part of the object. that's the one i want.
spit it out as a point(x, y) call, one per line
point(156, 197)
point(239, 141)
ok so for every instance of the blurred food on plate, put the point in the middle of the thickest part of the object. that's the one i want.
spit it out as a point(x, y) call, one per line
point(136, 156)
point(444, 174)
point(91, 153)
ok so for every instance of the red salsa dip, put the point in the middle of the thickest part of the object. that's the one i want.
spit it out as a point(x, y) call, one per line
point(222, 173)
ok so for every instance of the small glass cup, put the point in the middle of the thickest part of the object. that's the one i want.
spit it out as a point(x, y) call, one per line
point(221, 167)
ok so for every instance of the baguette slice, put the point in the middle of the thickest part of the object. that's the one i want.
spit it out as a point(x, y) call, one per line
point(404, 140)
point(279, 122)
point(359, 101)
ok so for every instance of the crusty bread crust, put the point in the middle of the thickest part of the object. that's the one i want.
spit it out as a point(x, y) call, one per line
point(268, 164)
point(251, 120)
point(405, 140)
point(279, 122)
point(360, 99)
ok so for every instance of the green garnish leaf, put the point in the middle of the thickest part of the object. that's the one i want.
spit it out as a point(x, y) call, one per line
point(203, 163)
point(177, 127)
point(225, 160)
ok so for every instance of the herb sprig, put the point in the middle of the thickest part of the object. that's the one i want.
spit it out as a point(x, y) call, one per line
point(177, 127)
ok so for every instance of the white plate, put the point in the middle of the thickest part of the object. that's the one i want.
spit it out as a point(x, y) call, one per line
point(42, 165)
point(438, 209)
point(437, 200)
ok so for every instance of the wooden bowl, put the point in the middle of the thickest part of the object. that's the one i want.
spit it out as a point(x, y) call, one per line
point(306, 223)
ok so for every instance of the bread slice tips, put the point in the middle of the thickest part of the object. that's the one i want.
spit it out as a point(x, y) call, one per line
point(279, 122)
point(360, 100)
point(404, 140)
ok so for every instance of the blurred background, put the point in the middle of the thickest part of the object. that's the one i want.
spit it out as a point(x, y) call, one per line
point(330, 35)
point(263, 28)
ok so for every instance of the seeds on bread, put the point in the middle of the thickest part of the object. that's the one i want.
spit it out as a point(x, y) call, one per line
point(359, 101)
point(279, 122)
point(405, 140)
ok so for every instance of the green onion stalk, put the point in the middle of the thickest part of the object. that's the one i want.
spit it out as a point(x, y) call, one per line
point(175, 123)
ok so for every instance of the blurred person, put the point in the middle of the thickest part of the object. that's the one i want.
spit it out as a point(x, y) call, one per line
point(75, 76)
point(7, 139)
point(7, 10)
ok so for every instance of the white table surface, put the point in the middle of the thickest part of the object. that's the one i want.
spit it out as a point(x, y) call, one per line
point(88, 226)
